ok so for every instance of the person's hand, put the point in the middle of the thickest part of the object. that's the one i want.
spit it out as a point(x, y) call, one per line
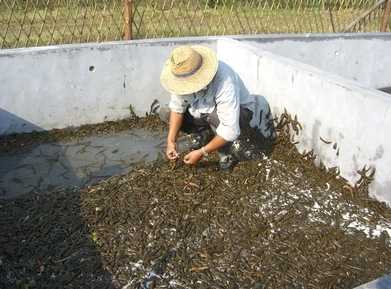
point(171, 152)
point(193, 157)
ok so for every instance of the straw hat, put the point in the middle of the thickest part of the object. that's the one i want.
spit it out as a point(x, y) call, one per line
point(189, 69)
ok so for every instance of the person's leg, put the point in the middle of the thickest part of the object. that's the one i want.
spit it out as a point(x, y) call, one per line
point(232, 152)
point(244, 147)
point(193, 125)
point(197, 129)
point(189, 125)
point(263, 122)
point(224, 152)
point(251, 144)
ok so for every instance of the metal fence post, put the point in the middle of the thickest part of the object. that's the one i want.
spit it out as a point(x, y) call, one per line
point(386, 17)
point(128, 19)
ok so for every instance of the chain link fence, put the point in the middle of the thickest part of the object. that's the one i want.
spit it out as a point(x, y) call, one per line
point(26, 23)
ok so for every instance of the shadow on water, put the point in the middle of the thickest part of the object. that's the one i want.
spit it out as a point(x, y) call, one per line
point(44, 240)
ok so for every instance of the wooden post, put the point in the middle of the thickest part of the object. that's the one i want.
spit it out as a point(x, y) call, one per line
point(128, 19)
point(386, 17)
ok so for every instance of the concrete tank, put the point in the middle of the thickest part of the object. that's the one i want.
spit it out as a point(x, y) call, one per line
point(331, 82)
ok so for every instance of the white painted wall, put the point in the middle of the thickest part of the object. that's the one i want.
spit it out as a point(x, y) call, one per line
point(358, 119)
point(361, 57)
point(53, 87)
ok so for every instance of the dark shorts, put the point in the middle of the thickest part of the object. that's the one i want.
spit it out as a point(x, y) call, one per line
point(211, 121)
point(250, 144)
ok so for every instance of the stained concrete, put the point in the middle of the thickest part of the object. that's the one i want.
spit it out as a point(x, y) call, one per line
point(52, 166)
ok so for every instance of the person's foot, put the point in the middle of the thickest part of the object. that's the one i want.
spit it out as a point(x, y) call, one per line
point(227, 162)
point(155, 107)
point(243, 150)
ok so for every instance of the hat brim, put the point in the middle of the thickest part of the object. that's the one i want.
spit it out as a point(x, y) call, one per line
point(195, 82)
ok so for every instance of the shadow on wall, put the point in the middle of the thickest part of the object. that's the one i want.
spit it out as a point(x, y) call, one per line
point(10, 123)
point(44, 240)
point(386, 89)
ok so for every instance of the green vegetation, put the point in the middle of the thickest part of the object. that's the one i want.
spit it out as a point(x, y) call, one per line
point(31, 23)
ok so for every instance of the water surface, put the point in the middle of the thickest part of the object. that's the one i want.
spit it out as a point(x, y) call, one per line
point(51, 166)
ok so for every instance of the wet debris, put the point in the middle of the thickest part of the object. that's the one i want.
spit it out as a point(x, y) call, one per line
point(18, 142)
point(275, 222)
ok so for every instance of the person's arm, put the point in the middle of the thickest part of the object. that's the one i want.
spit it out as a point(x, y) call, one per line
point(175, 124)
point(216, 143)
point(193, 157)
point(177, 107)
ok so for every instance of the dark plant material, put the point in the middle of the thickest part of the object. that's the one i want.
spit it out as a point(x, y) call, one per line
point(17, 142)
point(276, 222)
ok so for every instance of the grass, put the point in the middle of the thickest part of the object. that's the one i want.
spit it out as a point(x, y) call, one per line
point(22, 26)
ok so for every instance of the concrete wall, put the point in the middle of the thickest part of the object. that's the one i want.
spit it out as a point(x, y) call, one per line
point(71, 85)
point(356, 119)
point(361, 57)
